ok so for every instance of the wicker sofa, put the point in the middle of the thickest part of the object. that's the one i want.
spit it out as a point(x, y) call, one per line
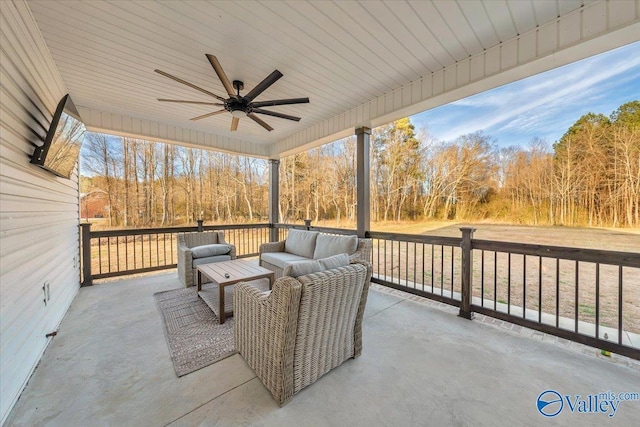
point(304, 328)
point(201, 248)
point(302, 245)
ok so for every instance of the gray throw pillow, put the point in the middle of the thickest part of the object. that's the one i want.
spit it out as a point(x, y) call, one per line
point(301, 268)
point(341, 260)
point(328, 245)
point(210, 250)
point(301, 242)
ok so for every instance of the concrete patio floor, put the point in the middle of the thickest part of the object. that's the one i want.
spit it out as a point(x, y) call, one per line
point(421, 365)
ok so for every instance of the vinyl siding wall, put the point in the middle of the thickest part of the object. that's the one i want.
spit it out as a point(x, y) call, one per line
point(39, 212)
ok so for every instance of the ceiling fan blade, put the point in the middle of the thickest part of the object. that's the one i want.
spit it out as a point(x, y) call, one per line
point(263, 85)
point(259, 121)
point(221, 74)
point(234, 124)
point(180, 101)
point(274, 114)
point(204, 116)
point(191, 85)
point(280, 102)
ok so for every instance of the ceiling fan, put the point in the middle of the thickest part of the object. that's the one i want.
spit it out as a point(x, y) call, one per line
point(239, 106)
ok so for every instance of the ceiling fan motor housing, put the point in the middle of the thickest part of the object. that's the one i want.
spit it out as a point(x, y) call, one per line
point(238, 104)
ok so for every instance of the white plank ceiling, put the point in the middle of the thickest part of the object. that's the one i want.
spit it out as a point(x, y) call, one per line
point(341, 54)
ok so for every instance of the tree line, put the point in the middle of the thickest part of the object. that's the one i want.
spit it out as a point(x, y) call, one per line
point(156, 184)
point(591, 176)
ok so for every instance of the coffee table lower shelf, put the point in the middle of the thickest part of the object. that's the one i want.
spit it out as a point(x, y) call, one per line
point(225, 274)
point(210, 295)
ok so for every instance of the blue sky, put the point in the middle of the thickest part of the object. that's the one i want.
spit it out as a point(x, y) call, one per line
point(544, 105)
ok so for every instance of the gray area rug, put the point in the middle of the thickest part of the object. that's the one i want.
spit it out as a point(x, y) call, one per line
point(193, 334)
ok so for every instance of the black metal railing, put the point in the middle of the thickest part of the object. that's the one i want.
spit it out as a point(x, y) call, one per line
point(574, 293)
point(283, 229)
point(428, 266)
point(577, 294)
point(111, 253)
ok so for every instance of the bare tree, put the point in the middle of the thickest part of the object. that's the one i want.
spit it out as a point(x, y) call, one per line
point(98, 157)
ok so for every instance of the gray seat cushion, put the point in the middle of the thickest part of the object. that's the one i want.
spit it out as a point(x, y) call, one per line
point(210, 259)
point(301, 242)
point(279, 259)
point(341, 260)
point(328, 245)
point(210, 250)
point(302, 268)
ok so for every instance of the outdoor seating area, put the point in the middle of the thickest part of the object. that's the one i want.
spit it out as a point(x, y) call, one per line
point(420, 363)
point(307, 323)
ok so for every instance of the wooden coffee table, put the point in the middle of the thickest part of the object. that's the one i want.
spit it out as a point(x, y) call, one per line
point(227, 273)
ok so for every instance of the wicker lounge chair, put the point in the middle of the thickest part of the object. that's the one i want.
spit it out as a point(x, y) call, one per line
point(304, 328)
point(201, 248)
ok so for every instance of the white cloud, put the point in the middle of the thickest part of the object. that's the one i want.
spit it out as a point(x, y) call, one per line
point(539, 103)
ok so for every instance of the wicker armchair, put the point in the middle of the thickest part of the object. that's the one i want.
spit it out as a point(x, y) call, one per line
point(304, 328)
point(187, 264)
point(362, 253)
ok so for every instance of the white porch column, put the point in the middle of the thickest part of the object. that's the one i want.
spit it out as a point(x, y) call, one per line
point(274, 197)
point(362, 180)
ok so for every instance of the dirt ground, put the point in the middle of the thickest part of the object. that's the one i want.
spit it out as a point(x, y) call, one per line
point(626, 240)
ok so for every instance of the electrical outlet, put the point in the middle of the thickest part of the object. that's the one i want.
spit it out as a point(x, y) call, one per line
point(46, 290)
point(74, 262)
